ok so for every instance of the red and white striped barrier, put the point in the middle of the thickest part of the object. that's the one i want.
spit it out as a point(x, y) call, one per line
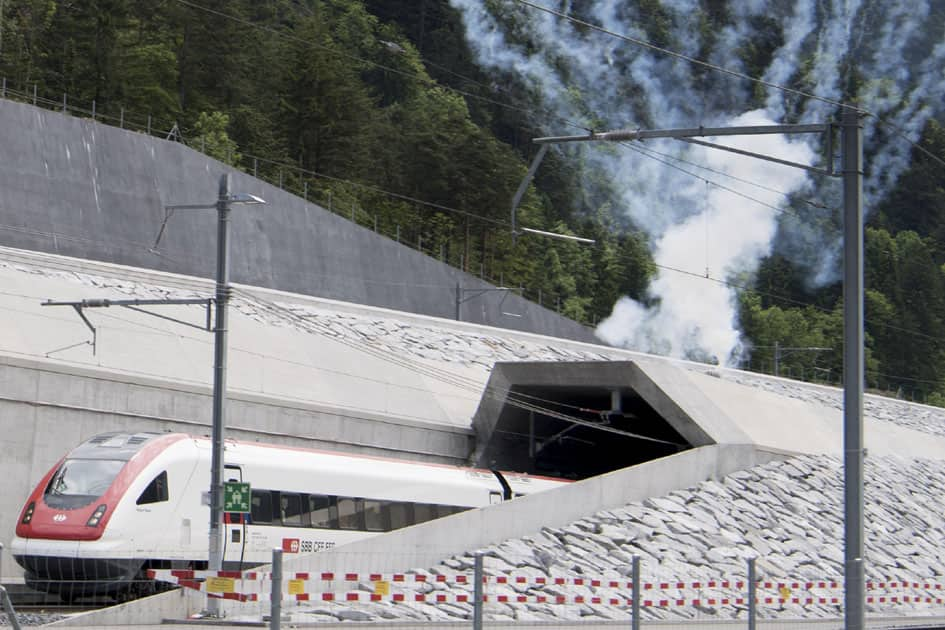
point(250, 586)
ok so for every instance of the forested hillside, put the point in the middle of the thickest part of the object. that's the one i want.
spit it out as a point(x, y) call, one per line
point(383, 111)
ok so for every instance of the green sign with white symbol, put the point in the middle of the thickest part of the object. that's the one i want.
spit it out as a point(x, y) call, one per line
point(236, 497)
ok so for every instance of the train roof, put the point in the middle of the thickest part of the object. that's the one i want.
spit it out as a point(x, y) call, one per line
point(116, 445)
point(123, 445)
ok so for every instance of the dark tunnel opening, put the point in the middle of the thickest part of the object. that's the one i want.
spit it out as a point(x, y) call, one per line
point(615, 428)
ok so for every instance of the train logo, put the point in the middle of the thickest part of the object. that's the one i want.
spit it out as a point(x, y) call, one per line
point(290, 545)
point(59, 517)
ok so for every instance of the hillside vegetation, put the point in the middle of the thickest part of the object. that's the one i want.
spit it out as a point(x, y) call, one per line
point(376, 109)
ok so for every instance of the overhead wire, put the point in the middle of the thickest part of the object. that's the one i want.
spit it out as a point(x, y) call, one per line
point(690, 59)
point(788, 300)
point(379, 190)
point(398, 71)
point(531, 111)
point(515, 399)
point(644, 151)
point(639, 147)
point(520, 400)
point(733, 191)
point(201, 340)
point(202, 286)
point(734, 73)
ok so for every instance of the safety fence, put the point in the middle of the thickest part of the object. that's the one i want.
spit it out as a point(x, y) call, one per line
point(467, 595)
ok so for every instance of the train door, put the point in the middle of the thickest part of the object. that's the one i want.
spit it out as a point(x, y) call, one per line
point(234, 526)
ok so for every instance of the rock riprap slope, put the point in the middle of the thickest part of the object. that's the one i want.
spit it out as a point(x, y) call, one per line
point(788, 515)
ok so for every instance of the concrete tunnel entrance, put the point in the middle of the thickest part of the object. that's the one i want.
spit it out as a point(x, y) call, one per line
point(577, 420)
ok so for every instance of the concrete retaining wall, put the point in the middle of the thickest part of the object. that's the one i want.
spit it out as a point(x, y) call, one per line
point(79, 188)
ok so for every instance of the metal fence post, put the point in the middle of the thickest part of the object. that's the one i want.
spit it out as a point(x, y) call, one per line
point(121, 119)
point(65, 106)
point(3, 92)
point(149, 124)
point(275, 598)
point(635, 607)
point(304, 188)
point(34, 94)
point(477, 591)
point(8, 608)
point(752, 587)
point(5, 599)
point(93, 109)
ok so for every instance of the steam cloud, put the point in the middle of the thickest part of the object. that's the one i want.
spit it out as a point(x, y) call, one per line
point(699, 229)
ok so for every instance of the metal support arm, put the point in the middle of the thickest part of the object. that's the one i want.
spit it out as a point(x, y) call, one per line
point(132, 305)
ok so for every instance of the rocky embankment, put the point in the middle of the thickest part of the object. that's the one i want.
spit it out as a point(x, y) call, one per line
point(788, 515)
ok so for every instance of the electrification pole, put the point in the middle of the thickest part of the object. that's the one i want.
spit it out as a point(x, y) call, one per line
point(853, 372)
point(221, 301)
point(853, 356)
point(215, 557)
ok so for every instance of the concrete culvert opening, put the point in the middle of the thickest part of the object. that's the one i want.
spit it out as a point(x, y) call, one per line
point(577, 420)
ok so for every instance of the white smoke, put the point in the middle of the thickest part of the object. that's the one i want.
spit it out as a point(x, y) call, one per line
point(700, 230)
point(693, 315)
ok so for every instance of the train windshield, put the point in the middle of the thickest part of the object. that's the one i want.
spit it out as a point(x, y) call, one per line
point(78, 482)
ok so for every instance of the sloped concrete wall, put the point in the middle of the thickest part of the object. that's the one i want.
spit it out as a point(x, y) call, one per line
point(79, 188)
point(428, 543)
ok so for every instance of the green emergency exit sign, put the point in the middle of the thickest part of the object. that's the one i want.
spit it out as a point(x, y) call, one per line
point(236, 497)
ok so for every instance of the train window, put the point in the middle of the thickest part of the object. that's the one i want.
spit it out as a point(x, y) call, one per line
point(350, 513)
point(156, 492)
point(401, 514)
point(322, 511)
point(423, 512)
point(376, 515)
point(261, 508)
point(78, 482)
point(291, 509)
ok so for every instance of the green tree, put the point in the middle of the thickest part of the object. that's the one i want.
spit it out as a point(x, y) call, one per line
point(210, 136)
point(326, 111)
point(917, 202)
point(807, 327)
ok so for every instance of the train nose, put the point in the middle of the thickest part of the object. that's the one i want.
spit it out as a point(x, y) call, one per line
point(46, 563)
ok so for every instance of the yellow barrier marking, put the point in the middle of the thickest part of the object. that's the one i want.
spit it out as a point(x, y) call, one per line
point(221, 585)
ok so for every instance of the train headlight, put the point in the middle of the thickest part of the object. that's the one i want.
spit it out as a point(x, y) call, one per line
point(97, 515)
point(28, 515)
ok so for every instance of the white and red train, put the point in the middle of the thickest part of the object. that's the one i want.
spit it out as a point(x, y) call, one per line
point(121, 503)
